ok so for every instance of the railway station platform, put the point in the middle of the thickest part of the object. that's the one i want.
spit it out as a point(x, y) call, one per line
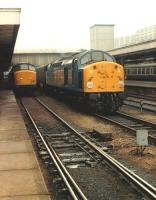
point(20, 174)
point(143, 84)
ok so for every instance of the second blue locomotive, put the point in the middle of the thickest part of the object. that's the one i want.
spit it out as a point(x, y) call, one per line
point(92, 77)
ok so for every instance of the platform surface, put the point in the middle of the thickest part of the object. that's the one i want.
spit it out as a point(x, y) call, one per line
point(144, 84)
point(20, 174)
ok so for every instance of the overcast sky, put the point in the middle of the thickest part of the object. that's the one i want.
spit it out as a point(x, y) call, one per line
point(64, 24)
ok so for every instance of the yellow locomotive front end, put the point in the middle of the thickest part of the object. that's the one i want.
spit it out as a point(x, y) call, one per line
point(103, 77)
point(103, 84)
point(25, 78)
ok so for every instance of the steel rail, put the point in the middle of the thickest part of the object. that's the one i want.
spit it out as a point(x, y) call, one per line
point(152, 138)
point(137, 104)
point(148, 123)
point(137, 181)
point(135, 118)
point(59, 165)
point(146, 98)
point(115, 122)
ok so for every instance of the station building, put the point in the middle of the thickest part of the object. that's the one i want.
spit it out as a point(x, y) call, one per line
point(102, 37)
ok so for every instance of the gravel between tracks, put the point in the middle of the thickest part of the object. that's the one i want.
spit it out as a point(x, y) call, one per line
point(124, 144)
point(102, 183)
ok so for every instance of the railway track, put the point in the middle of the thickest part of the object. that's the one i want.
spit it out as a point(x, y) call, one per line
point(68, 149)
point(145, 97)
point(132, 124)
point(141, 104)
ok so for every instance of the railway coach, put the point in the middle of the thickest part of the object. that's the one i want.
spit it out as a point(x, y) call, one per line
point(142, 71)
point(92, 77)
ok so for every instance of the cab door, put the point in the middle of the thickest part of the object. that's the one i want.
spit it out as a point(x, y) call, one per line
point(75, 73)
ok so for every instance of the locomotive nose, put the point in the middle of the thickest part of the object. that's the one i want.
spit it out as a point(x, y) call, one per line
point(104, 77)
point(101, 69)
point(110, 76)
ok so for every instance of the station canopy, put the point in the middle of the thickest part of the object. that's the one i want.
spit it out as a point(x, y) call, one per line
point(9, 25)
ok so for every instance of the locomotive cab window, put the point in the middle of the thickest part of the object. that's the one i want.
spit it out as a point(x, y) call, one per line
point(49, 67)
point(86, 59)
point(31, 67)
point(100, 56)
point(97, 56)
point(21, 67)
point(24, 66)
point(108, 58)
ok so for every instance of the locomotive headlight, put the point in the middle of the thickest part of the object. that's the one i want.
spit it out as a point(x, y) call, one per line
point(89, 84)
point(121, 83)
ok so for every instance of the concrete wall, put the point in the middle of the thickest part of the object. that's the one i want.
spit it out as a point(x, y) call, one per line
point(102, 37)
point(38, 59)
